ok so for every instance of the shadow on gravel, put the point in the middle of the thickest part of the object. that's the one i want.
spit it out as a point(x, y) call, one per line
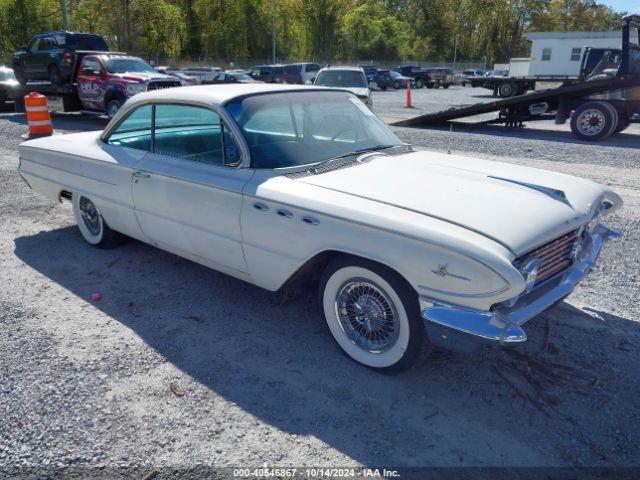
point(620, 140)
point(554, 402)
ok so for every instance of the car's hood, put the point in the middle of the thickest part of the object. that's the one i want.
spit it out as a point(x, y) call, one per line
point(519, 207)
point(144, 76)
point(361, 92)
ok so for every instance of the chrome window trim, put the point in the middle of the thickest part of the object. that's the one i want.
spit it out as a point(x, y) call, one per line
point(234, 129)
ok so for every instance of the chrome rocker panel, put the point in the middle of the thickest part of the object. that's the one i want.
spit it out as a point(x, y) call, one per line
point(503, 324)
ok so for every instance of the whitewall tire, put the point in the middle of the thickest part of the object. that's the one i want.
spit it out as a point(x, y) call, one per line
point(91, 223)
point(372, 313)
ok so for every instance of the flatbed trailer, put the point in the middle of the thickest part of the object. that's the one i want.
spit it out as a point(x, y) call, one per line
point(510, 86)
point(598, 107)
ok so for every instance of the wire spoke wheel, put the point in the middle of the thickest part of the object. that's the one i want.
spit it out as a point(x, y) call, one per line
point(90, 216)
point(367, 315)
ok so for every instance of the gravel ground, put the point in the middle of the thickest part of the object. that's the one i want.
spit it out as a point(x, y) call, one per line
point(178, 366)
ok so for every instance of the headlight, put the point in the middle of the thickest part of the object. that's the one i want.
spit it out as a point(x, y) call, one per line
point(135, 88)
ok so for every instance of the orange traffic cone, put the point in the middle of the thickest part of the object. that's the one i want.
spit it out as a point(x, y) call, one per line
point(408, 105)
point(38, 118)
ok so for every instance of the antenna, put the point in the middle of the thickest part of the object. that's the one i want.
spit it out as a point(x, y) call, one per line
point(450, 135)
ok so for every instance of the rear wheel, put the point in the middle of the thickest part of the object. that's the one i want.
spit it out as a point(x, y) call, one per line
point(594, 121)
point(419, 83)
point(91, 224)
point(55, 77)
point(507, 90)
point(429, 85)
point(445, 86)
point(372, 313)
point(396, 85)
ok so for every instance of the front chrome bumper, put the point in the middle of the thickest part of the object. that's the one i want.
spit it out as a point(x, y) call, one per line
point(504, 324)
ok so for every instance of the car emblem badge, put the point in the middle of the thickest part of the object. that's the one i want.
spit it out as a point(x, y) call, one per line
point(442, 271)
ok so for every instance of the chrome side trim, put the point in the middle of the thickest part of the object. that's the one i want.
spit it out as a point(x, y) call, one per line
point(503, 323)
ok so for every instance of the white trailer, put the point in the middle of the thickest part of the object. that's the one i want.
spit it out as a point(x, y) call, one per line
point(559, 53)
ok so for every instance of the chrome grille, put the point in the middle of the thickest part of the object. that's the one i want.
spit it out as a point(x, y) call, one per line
point(555, 256)
point(164, 84)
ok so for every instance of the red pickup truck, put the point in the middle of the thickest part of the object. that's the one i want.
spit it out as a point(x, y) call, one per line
point(106, 80)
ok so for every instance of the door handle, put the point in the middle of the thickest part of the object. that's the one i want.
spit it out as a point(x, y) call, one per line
point(260, 206)
point(139, 174)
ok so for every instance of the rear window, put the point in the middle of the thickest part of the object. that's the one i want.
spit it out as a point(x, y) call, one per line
point(87, 42)
point(341, 78)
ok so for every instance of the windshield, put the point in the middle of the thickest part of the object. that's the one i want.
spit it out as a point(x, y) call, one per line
point(301, 128)
point(127, 65)
point(341, 78)
point(241, 76)
point(87, 42)
point(395, 74)
point(6, 75)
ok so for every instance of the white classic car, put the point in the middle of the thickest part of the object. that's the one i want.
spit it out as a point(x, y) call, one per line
point(272, 184)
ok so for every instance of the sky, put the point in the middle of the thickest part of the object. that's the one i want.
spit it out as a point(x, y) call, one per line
point(631, 6)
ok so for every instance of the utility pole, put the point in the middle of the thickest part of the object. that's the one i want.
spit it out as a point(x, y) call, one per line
point(65, 20)
point(273, 31)
point(455, 52)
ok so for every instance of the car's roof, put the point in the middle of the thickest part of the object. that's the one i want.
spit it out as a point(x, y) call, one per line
point(349, 68)
point(216, 94)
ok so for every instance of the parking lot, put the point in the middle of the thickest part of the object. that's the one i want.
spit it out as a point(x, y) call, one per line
point(180, 366)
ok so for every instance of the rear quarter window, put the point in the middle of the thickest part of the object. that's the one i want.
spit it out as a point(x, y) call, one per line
point(87, 42)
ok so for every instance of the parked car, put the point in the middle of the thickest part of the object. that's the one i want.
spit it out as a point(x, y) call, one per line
point(233, 77)
point(274, 184)
point(185, 79)
point(106, 81)
point(202, 75)
point(373, 75)
point(349, 78)
point(52, 55)
point(440, 77)
point(301, 72)
point(465, 77)
point(384, 80)
point(400, 81)
point(8, 83)
point(268, 73)
point(419, 74)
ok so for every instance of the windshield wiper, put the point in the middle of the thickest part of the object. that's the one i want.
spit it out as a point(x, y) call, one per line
point(360, 151)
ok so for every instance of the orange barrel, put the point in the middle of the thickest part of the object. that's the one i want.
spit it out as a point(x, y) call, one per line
point(38, 118)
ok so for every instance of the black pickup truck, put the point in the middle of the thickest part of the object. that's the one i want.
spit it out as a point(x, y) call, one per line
point(419, 74)
point(52, 55)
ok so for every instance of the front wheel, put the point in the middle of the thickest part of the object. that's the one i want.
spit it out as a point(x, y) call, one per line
point(112, 108)
point(91, 224)
point(419, 83)
point(19, 74)
point(372, 313)
point(445, 86)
